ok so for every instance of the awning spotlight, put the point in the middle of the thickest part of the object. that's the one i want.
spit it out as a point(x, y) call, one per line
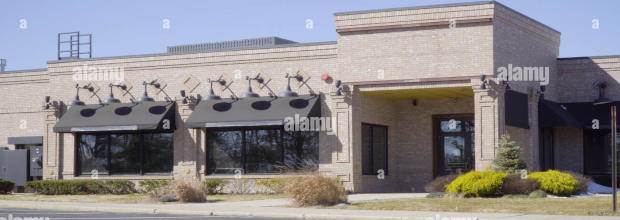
point(76, 101)
point(288, 92)
point(212, 95)
point(145, 97)
point(249, 93)
point(111, 99)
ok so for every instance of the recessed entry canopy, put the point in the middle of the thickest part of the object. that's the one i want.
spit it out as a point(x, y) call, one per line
point(261, 111)
point(118, 117)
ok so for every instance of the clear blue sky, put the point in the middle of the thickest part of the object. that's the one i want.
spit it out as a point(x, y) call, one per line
point(123, 27)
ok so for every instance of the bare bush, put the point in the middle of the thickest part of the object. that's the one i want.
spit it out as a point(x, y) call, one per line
point(315, 190)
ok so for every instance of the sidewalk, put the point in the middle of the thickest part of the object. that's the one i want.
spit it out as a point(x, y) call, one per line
point(272, 209)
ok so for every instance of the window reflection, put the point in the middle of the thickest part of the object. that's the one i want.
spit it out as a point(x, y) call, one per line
point(125, 153)
point(264, 150)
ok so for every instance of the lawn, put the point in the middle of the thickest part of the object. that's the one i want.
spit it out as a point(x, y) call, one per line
point(131, 198)
point(551, 206)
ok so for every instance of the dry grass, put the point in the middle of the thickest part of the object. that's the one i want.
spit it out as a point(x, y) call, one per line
point(550, 206)
point(130, 198)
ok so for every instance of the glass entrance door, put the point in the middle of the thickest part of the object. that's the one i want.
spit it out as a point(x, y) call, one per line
point(454, 148)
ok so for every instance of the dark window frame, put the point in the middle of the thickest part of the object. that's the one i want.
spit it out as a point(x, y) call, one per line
point(437, 133)
point(243, 130)
point(371, 149)
point(108, 154)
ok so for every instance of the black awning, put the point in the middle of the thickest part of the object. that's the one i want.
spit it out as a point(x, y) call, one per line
point(552, 114)
point(586, 112)
point(262, 111)
point(118, 117)
point(26, 140)
point(516, 109)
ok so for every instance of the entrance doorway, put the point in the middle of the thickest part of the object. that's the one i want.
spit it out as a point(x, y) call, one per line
point(453, 144)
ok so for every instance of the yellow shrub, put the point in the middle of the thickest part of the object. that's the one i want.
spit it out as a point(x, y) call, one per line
point(555, 182)
point(476, 183)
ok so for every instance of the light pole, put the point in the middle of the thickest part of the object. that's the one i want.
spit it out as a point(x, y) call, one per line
point(614, 156)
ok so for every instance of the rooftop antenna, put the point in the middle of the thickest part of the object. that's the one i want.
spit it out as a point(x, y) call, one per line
point(73, 45)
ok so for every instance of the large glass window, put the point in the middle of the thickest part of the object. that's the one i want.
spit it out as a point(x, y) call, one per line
point(137, 153)
point(260, 150)
point(374, 149)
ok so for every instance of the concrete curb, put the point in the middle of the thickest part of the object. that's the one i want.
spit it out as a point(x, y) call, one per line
point(266, 214)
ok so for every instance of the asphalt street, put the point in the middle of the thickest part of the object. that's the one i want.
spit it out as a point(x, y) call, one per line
point(36, 214)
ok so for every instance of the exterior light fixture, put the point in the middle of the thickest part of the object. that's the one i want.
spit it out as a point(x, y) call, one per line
point(601, 100)
point(145, 97)
point(76, 101)
point(111, 99)
point(288, 92)
point(483, 83)
point(338, 87)
point(184, 101)
point(124, 88)
point(249, 93)
point(212, 95)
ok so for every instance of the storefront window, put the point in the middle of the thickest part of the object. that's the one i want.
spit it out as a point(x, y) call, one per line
point(265, 150)
point(374, 149)
point(135, 154)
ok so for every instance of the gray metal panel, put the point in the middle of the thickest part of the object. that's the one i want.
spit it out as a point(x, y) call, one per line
point(26, 140)
point(14, 166)
point(115, 117)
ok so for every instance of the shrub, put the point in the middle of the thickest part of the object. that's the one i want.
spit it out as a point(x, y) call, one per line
point(555, 182)
point(513, 184)
point(76, 187)
point(274, 185)
point(241, 186)
point(439, 184)
point(189, 191)
point(120, 186)
point(583, 181)
point(476, 183)
point(162, 194)
point(214, 186)
point(507, 158)
point(538, 194)
point(58, 187)
point(6, 186)
point(315, 190)
point(149, 185)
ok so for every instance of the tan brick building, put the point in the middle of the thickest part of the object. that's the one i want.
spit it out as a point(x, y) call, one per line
point(421, 97)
